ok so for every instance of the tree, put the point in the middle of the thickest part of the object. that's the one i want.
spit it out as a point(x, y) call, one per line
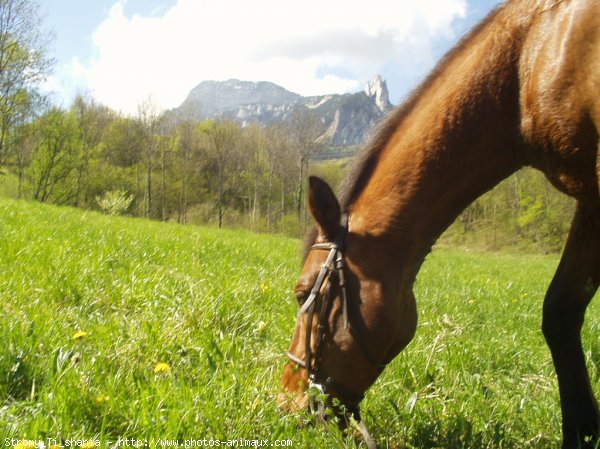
point(167, 140)
point(305, 129)
point(55, 160)
point(24, 140)
point(281, 163)
point(149, 120)
point(224, 138)
point(23, 64)
point(189, 149)
point(254, 147)
point(123, 142)
point(92, 119)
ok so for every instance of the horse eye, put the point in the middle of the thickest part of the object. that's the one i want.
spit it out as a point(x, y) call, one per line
point(301, 296)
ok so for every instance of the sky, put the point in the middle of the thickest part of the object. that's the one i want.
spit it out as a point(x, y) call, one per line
point(126, 52)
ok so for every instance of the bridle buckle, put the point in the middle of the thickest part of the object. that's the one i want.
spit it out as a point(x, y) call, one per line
point(316, 397)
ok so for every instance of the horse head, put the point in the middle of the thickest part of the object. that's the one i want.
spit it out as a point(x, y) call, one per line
point(342, 338)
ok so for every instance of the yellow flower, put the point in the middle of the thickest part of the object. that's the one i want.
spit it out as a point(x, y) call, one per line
point(261, 326)
point(25, 444)
point(88, 445)
point(79, 335)
point(265, 287)
point(102, 398)
point(161, 368)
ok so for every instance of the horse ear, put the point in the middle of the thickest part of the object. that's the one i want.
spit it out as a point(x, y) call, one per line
point(324, 206)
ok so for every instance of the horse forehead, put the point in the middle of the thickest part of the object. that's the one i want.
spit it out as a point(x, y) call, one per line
point(309, 241)
point(312, 264)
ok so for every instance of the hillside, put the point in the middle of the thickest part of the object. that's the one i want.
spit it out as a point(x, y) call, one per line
point(347, 119)
point(144, 293)
point(120, 327)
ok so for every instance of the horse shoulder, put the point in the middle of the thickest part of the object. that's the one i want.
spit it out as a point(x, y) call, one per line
point(559, 71)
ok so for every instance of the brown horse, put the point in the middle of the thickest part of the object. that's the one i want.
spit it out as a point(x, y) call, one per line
point(522, 89)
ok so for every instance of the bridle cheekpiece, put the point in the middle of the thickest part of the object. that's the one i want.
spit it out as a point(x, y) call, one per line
point(332, 271)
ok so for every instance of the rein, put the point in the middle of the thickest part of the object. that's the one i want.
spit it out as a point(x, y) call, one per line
point(332, 271)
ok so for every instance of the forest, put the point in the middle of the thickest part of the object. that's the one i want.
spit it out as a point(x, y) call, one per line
point(159, 167)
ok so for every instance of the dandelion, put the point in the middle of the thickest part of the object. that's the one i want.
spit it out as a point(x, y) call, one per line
point(265, 287)
point(80, 335)
point(162, 368)
point(88, 445)
point(102, 398)
point(25, 444)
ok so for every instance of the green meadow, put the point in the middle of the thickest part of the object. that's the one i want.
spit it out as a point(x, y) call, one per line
point(155, 333)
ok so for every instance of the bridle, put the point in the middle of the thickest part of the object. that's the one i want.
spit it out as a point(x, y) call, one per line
point(332, 271)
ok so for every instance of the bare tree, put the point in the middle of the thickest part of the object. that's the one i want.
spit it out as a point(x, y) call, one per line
point(305, 128)
point(149, 119)
point(255, 143)
point(280, 165)
point(167, 141)
point(23, 64)
point(188, 145)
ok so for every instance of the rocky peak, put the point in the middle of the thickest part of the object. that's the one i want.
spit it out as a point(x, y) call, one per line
point(377, 90)
point(347, 119)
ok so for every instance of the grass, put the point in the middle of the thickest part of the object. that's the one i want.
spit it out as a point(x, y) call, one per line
point(93, 306)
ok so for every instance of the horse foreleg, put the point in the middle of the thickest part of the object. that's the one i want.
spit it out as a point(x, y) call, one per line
point(571, 290)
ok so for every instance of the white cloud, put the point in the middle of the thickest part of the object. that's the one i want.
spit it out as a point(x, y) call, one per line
point(309, 47)
point(66, 82)
point(52, 85)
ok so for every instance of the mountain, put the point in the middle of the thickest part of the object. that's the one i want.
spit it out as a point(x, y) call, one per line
point(211, 99)
point(347, 119)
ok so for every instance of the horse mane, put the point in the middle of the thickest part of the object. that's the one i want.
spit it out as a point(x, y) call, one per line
point(366, 161)
point(364, 165)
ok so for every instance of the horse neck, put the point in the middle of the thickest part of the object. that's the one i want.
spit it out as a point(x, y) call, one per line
point(458, 140)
